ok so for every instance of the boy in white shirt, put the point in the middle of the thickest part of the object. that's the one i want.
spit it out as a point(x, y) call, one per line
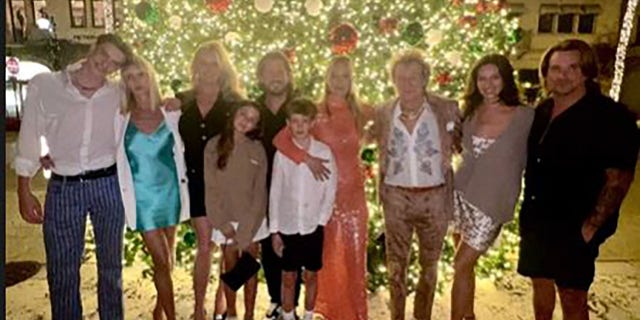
point(299, 207)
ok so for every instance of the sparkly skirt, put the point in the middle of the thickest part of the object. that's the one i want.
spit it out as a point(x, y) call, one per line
point(476, 229)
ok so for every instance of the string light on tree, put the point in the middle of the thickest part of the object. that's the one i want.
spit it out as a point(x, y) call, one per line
point(621, 52)
point(383, 28)
point(453, 33)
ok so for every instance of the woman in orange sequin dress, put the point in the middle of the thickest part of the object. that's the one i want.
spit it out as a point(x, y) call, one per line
point(342, 284)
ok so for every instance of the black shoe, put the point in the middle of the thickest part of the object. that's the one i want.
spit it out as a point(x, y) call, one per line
point(274, 314)
point(220, 316)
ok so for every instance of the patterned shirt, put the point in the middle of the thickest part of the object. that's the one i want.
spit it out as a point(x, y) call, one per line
point(414, 159)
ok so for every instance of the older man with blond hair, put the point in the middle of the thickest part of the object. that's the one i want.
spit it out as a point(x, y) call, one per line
point(416, 136)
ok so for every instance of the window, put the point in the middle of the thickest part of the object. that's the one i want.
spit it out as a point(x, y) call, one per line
point(97, 13)
point(567, 18)
point(565, 23)
point(18, 20)
point(78, 16)
point(40, 9)
point(545, 23)
point(585, 23)
point(118, 11)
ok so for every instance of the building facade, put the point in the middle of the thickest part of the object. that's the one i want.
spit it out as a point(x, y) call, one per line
point(78, 20)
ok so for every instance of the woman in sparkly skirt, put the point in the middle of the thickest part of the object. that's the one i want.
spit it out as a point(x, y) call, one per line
point(487, 183)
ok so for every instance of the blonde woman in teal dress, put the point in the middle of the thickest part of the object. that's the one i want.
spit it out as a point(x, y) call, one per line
point(151, 174)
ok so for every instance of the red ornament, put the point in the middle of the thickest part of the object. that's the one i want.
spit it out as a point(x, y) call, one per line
point(343, 38)
point(468, 20)
point(369, 173)
point(290, 53)
point(443, 78)
point(457, 3)
point(387, 25)
point(218, 6)
point(481, 6)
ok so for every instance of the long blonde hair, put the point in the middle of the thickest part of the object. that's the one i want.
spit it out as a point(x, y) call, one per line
point(128, 99)
point(353, 101)
point(229, 83)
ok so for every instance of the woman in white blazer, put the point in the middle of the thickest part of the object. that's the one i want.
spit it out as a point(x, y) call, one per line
point(151, 174)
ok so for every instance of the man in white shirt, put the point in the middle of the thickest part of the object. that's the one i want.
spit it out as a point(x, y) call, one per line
point(74, 110)
point(300, 206)
point(416, 139)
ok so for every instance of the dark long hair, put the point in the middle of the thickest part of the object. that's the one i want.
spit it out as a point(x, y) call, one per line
point(509, 94)
point(588, 61)
point(226, 144)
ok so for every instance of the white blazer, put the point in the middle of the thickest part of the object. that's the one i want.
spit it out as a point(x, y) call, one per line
point(125, 178)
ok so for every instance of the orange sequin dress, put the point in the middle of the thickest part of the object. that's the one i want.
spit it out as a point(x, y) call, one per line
point(342, 287)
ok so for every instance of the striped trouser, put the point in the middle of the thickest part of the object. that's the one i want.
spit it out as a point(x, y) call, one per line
point(66, 207)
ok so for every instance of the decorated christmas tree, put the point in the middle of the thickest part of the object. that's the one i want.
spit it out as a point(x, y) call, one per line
point(454, 33)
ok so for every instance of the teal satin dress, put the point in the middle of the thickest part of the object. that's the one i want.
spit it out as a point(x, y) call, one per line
point(155, 178)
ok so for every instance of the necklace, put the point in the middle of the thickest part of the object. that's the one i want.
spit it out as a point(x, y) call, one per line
point(410, 115)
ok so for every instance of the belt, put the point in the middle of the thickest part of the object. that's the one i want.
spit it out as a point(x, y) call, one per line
point(416, 189)
point(87, 175)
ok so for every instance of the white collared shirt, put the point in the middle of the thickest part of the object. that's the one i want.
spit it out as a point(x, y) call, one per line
point(414, 159)
point(79, 130)
point(298, 203)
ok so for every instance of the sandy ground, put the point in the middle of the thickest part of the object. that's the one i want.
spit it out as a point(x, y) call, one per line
point(615, 294)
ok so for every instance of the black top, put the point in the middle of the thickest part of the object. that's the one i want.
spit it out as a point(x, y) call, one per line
point(196, 132)
point(272, 123)
point(567, 158)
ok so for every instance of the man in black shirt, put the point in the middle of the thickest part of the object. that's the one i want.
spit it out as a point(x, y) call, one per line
point(582, 152)
point(276, 81)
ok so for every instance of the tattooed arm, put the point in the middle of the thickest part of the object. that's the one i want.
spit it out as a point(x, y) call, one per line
point(609, 200)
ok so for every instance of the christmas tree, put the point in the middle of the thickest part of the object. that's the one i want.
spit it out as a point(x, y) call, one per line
point(454, 33)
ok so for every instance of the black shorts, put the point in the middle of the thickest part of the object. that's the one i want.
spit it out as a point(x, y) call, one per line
point(196, 198)
point(560, 254)
point(303, 251)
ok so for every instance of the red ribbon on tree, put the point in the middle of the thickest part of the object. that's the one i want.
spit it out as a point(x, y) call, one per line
point(218, 6)
point(470, 20)
point(387, 25)
point(343, 38)
point(443, 78)
point(481, 6)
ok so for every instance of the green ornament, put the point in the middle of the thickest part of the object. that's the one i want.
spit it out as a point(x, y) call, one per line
point(413, 33)
point(368, 155)
point(142, 9)
point(190, 238)
point(147, 12)
point(515, 36)
point(175, 85)
point(475, 47)
point(153, 16)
